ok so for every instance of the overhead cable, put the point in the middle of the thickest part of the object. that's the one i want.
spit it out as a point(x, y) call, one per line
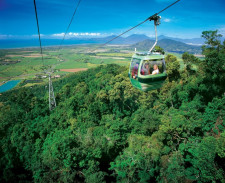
point(38, 30)
point(70, 23)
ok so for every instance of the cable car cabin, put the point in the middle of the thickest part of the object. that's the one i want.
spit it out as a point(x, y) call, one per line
point(147, 71)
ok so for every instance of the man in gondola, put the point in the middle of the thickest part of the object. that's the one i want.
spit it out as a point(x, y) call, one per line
point(135, 71)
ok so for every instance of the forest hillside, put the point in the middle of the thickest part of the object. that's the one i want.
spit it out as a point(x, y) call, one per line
point(104, 130)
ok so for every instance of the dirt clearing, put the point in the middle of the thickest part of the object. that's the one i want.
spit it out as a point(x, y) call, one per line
point(74, 70)
point(28, 56)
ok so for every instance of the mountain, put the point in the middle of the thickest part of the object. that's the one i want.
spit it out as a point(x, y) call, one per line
point(168, 45)
point(193, 41)
point(135, 38)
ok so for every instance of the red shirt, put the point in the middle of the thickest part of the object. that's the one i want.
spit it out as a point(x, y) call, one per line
point(135, 71)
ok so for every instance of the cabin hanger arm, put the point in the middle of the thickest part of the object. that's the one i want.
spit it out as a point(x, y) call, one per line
point(156, 19)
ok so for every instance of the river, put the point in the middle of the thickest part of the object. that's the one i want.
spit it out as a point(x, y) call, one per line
point(8, 85)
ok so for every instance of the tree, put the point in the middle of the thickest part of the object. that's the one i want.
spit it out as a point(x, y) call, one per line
point(212, 38)
point(201, 155)
point(172, 168)
point(214, 63)
point(173, 67)
point(138, 162)
point(159, 49)
point(189, 61)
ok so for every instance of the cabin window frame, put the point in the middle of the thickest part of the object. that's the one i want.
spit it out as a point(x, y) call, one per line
point(158, 62)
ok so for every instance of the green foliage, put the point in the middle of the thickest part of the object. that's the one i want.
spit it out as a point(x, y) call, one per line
point(214, 112)
point(189, 61)
point(201, 155)
point(212, 38)
point(159, 49)
point(173, 67)
point(173, 169)
point(220, 149)
point(213, 65)
point(137, 163)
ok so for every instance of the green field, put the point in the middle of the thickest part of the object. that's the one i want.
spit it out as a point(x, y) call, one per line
point(25, 63)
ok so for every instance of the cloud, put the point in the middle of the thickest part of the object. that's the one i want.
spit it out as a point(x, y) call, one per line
point(84, 34)
point(58, 35)
point(222, 31)
point(54, 36)
point(167, 20)
point(3, 36)
point(75, 34)
point(151, 35)
point(35, 35)
point(9, 36)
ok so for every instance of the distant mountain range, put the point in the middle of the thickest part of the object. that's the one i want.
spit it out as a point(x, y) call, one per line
point(144, 43)
point(193, 41)
point(135, 38)
point(168, 45)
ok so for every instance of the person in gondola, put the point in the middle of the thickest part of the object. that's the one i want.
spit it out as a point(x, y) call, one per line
point(145, 69)
point(135, 71)
point(156, 70)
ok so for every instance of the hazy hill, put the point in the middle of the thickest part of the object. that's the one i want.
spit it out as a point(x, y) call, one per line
point(192, 41)
point(135, 38)
point(168, 45)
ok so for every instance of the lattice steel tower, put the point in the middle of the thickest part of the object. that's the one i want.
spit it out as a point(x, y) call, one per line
point(52, 102)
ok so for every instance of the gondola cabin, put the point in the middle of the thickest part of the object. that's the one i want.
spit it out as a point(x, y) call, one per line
point(147, 71)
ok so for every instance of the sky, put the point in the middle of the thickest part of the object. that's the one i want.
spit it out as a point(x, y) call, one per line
point(98, 18)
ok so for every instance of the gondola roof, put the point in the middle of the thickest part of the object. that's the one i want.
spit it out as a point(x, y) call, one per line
point(147, 55)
